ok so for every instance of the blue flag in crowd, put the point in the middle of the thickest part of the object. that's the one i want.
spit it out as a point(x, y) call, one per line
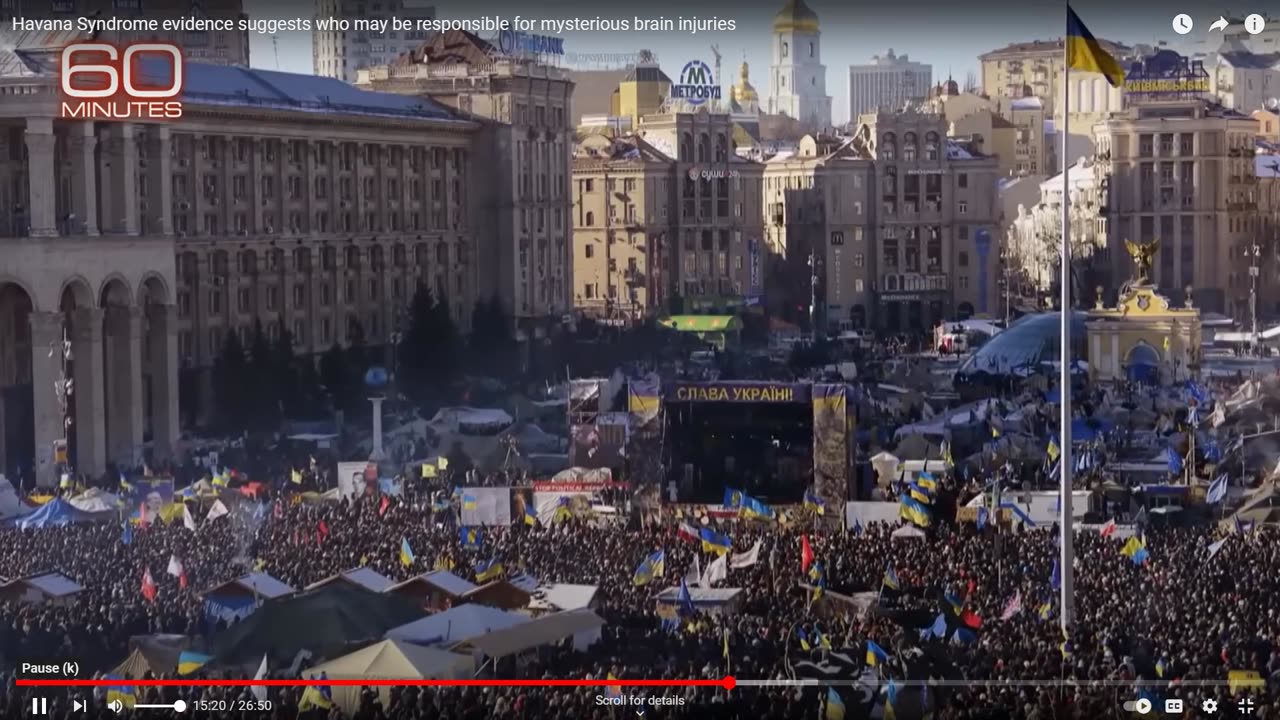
point(1055, 577)
point(1174, 460)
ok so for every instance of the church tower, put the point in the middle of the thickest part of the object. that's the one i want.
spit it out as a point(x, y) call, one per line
point(797, 77)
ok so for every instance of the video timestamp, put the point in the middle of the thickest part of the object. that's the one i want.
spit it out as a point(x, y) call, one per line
point(220, 706)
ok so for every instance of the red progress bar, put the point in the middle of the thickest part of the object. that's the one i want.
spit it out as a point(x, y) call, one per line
point(726, 682)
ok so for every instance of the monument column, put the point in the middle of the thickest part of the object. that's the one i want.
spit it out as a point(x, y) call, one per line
point(47, 410)
point(163, 343)
point(87, 389)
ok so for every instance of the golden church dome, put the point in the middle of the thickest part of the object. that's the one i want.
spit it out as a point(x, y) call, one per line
point(795, 16)
point(743, 92)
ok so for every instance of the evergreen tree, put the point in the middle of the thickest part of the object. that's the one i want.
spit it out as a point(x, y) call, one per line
point(285, 376)
point(492, 347)
point(415, 343)
point(335, 376)
point(445, 341)
point(264, 399)
point(229, 371)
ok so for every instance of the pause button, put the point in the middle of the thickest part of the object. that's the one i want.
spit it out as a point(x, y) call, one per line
point(39, 706)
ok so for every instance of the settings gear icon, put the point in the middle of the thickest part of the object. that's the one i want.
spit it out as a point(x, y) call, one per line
point(1210, 705)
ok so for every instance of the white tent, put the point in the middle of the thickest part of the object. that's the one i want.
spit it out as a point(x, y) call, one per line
point(908, 531)
point(886, 465)
point(457, 623)
point(10, 505)
point(389, 660)
point(95, 500)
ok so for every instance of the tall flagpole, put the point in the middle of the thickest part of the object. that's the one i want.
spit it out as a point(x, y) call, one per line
point(1067, 576)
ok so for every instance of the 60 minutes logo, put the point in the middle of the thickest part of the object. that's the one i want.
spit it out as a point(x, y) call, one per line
point(105, 82)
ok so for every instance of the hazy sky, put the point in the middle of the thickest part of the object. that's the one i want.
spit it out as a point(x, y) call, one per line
point(948, 35)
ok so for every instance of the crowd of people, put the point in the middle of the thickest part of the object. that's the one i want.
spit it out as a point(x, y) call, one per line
point(1193, 616)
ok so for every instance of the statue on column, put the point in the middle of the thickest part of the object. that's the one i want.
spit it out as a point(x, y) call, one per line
point(1142, 254)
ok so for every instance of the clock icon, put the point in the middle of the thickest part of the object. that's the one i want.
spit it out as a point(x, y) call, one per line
point(1182, 24)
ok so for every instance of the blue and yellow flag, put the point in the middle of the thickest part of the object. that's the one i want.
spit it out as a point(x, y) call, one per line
point(530, 517)
point(124, 693)
point(487, 570)
point(927, 481)
point(1052, 450)
point(747, 506)
point(875, 654)
point(189, 662)
point(813, 503)
point(891, 579)
point(316, 696)
point(1084, 52)
point(915, 512)
point(804, 639)
point(469, 538)
point(715, 542)
point(406, 553)
point(919, 494)
point(468, 502)
point(835, 706)
point(654, 565)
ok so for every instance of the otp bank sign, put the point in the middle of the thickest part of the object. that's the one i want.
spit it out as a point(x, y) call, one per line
point(105, 81)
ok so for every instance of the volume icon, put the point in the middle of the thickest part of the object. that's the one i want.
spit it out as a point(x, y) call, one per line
point(115, 705)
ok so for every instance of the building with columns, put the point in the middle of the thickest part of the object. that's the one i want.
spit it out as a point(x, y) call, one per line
point(301, 202)
point(525, 143)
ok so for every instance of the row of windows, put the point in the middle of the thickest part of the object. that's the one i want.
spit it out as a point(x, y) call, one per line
point(247, 261)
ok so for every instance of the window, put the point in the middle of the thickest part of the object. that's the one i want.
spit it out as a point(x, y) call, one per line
point(837, 238)
point(590, 251)
point(786, 49)
point(242, 300)
point(962, 180)
point(962, 259)
point(962, 207)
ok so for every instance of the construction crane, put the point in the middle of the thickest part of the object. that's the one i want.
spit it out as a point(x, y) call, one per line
point(715, 52)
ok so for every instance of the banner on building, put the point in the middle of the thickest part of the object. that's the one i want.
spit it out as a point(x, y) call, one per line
point(830, 444)
point(486, 506)
point(644, 405)
point(739, 392)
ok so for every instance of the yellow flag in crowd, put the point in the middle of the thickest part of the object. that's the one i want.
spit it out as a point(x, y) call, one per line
point(442, 462)
point(295, 477)
point(428, 471)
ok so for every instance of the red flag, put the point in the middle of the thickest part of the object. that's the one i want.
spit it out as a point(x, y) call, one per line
point(148, 586)
point(142, 514)
point(806, 553)
point(382, 507)
point(970, 620)
point(970, 587)
point(1109, 528)
point(182, 580)
point(322, 529)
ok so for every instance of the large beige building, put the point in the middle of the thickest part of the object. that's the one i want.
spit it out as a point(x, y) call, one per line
point(935, 219)
point(342, 54)
point(1182, 172)
point(667, 219)
point(223, 47)
point(525, 145)
point(1036, 68)
point(147, 243)
point(819, 211)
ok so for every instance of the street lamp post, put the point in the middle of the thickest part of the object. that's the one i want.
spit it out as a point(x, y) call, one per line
point(1254, 252)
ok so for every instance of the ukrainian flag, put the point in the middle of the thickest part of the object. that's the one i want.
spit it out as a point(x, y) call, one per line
point(123, 693)
point(804, 639)
point(875, 654)
point(891, 579)
point(1052, 450)
point(488, 570)
point(753, 508)
point(1045, 611)
point(469, 538)
point(915, 512)
point(813, 503)
point(189, 662)
point(920, 494)
point(652, 566)
point(563, 511)
point(530, 518)
point(468, 502)
point(316, 697)
point(1084, 52)
point(406, 553)
point(835, 706)
point(715, 542)
point(927, 481)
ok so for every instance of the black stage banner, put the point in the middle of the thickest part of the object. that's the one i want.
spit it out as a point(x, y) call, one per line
point(740, 392)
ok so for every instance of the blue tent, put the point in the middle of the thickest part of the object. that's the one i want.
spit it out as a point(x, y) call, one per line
point(1087, 429)
point(55, 513)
